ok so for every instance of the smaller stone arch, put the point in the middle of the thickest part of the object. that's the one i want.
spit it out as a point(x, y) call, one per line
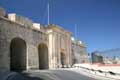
point(62, 59)
point(43, 56)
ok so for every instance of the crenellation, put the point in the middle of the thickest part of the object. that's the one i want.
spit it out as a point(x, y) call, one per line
point(12, 17)
point(36, 26)
point(20, 19)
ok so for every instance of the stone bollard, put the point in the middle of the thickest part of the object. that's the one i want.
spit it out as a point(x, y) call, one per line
point(2, 12)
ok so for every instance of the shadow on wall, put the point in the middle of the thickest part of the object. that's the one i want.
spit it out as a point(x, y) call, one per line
point(17, 54)
point(43, 56)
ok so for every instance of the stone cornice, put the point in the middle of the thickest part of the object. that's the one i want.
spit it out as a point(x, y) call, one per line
point(58, 29)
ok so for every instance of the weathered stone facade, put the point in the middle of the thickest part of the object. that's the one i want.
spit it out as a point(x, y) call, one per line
point(79, 52)
point(25, 45)
point(59, 46)
point(10, 30)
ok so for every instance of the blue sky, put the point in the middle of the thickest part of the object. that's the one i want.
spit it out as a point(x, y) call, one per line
point(98, 20)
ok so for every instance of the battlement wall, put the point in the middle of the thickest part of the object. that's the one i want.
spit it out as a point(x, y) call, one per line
point(24, 21)
point(20, 19)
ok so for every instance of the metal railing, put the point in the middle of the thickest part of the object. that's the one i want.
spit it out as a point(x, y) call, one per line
point(108, 74)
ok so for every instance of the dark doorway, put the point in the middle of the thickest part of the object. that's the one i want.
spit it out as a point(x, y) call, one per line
point(17, 55)
point(62, 59)
point(43, 56)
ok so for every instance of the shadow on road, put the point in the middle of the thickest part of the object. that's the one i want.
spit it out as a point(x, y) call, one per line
point(18, 76)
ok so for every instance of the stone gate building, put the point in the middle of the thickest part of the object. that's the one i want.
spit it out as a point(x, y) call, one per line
point(59, 46)
point(25, 45)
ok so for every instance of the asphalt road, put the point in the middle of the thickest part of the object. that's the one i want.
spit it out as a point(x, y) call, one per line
point(58, 75)
point(69, 75)
point(45, 75)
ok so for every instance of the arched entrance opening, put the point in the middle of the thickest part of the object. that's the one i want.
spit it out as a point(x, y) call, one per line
point(62, 59)
point(17, 55)
point(43, 56)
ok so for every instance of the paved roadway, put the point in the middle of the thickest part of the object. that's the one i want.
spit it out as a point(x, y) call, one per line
point(58, 75)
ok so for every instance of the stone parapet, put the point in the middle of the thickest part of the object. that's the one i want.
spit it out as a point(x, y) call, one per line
point(38, 27)
point(20, 19)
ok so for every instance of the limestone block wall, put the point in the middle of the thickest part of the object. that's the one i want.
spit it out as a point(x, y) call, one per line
point(10, 30)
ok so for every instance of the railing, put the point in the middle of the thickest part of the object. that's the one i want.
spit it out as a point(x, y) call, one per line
point(108, 74)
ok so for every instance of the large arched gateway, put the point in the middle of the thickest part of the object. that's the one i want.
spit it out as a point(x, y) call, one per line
point(43, 56)
point(17, 54)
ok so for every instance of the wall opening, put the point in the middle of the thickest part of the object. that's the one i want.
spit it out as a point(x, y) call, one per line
point(43, 56)
point(62, 59)
point(17, 55)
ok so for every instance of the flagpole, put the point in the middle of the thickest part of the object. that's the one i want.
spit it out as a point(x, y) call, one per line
point(48, 13)
point(76, 31)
